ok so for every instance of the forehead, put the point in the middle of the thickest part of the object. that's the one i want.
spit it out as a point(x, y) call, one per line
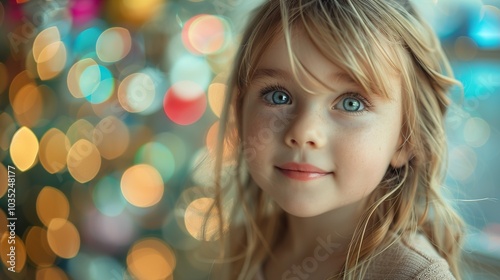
point(302, 61)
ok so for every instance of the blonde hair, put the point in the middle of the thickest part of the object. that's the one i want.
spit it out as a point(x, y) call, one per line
point(353, 35)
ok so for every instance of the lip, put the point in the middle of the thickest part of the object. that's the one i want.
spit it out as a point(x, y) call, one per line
point(302, 167)
point(302, 171)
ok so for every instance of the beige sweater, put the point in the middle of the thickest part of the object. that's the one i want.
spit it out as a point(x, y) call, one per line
point(410, 259)
point(406, 259)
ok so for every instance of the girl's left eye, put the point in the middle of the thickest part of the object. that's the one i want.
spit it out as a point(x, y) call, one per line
point(275, 96)
point(352, 104)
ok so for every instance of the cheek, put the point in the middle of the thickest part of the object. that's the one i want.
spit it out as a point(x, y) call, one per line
point(257, 137)
point(252, 128)
point(249, 121)
point(261, 127)
point(362, 159)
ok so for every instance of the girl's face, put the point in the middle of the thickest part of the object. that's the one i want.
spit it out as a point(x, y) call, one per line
point(313, 153)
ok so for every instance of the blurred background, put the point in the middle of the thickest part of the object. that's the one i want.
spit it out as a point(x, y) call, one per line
point(106, 106)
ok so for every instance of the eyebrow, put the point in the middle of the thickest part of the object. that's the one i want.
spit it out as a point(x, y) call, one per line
point(261, 73)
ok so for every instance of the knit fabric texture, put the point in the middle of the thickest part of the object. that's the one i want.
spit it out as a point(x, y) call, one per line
point(414, 258)
point(411, 259)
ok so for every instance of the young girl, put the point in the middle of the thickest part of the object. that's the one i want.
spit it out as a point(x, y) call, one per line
point(335, 121)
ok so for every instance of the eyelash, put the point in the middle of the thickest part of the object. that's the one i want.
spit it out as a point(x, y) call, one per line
point(277, 87)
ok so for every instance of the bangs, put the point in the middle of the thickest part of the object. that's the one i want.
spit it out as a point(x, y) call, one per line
point(355, 39)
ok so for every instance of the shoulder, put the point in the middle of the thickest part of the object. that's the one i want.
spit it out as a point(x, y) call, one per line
point(411, 258)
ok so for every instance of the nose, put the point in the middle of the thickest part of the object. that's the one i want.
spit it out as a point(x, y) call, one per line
point(306, 130)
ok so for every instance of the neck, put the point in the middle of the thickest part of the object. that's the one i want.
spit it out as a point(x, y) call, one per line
point(332, 231)
point(316, 245)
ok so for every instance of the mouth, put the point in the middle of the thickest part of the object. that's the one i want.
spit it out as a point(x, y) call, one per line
point(302, 175)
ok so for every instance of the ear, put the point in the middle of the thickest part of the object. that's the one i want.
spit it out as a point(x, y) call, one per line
point(402, 155)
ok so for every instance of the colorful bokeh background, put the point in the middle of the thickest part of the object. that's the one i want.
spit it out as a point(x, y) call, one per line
point(106, 107)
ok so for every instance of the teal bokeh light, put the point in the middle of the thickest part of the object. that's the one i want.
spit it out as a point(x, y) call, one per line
point(191, 68)
point(86, 41)
point(486, 30)
point(97, 84)
point(158, 156)
point(108, 197)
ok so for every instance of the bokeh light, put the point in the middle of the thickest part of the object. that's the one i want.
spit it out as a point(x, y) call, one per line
point(87, 266)
point(81, 129)
point(44, 39)
point(211, 143)
point(27, 105)
point(151, 258)
point(216, 97)
point(108, 197)
point(105, 268)
point(83, 161)
point(113, 44)
point(175, 145)
point(84, 11)
point(137, 12)
point(205, 34)
point(51, 273)
point(34, 105)
point(38, 248)
point(136, 92)
point(202, 219)
point(158, 156)
point(79, 266)
point(54, 147)
point(24, 148)
point(142, 185)
point(476, 132)
point(51, 203)
point(486, 30)
point(51, 61)
point(112, 137)
point(185, 103)
point(96, 83)
point(193, 69)
point(20, 80)
point(49, 53)
point(7, 253)
point(86, 41)
point(75, 76)
point(63, 238)
point(160, 84)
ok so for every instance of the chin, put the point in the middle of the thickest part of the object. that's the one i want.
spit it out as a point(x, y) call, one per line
point(302, 211)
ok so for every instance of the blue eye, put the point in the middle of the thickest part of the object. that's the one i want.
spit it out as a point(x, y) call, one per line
point(275, 96)
point(352, 104)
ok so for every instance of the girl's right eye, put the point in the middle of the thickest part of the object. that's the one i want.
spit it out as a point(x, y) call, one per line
point(275, 96)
